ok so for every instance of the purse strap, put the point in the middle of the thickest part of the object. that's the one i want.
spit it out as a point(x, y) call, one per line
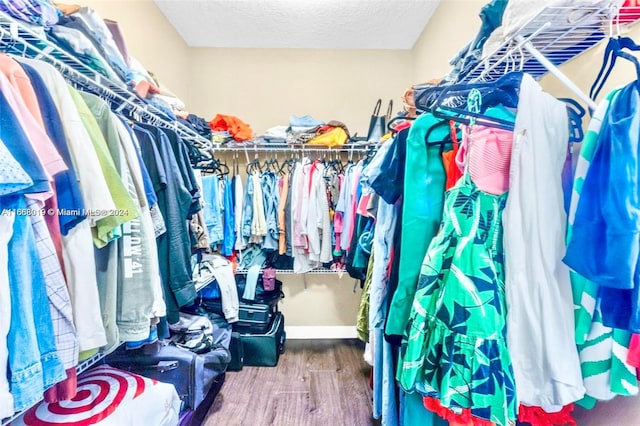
point(376, 109)
point(389, 110)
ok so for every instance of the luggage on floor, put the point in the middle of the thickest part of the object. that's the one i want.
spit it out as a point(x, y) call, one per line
point(237, 352)
point(192, 374)
point(263, 350)
point(252, 317)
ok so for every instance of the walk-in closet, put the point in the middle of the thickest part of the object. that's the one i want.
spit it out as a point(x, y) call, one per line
point(329, 212)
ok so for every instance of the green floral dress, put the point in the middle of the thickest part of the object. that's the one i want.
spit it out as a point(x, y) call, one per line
point(454, 347)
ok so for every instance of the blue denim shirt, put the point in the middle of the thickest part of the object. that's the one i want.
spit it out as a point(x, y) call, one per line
point(247, 210)
point(212, 214)
point(33, 359)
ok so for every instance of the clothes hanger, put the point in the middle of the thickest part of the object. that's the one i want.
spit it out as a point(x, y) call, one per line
point(451, 102)
point(613, 51)
point(398, 120)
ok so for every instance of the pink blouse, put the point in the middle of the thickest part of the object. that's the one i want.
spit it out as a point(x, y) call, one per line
point(488, 151)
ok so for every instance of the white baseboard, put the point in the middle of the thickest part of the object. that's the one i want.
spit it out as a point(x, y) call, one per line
point(321, 332)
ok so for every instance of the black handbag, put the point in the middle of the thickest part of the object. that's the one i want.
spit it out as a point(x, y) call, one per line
point(378, 123)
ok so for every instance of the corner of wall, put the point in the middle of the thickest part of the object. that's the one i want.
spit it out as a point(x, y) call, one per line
point(450, 28)
point(151, 39)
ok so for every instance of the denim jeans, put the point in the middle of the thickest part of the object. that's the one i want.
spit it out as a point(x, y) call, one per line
point(33, 361)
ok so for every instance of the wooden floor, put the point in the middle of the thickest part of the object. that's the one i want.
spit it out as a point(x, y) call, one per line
point(316, 382)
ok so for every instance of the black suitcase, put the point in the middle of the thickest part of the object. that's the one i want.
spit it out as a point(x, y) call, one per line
point(192, 375)
point(237, 352)
point(252, 317)
point(263, 350)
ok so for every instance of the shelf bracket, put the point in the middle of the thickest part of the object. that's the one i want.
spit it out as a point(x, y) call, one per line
point(555, 71)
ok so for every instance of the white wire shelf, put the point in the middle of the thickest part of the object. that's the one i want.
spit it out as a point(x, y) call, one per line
point(558, 33)
point(283, 147)
point(317, 271)
point(19, 39)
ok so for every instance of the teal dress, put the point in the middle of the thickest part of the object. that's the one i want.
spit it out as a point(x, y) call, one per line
point(454, 347)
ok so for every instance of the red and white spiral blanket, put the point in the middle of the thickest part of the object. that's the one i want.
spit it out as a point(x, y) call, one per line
point(108, 396)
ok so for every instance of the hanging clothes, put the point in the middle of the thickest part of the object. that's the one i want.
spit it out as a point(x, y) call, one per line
point(489, 165)
point(271, 201)
point(228, 217)
point(421, 213)
point(456, 335)
point(174, 201)
point(605, 371)
point(238, 210)
point(540, 319)
point(34, 363)
point(449, 160)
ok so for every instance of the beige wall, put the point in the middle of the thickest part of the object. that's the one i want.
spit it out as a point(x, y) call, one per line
point(453, 25)
point(151, 39)
point(265, 86)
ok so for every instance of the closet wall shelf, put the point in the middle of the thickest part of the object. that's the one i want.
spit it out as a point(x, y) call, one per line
point(317, 271)
point(283, 147)
point(21, 39)
point(558, 33)
point(83, 366)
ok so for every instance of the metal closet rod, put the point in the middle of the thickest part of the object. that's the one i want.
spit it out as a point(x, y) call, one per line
point(297, 148)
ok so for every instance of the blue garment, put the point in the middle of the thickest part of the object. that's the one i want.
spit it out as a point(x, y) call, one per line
point(33, 360)
point(211, 213)
point(384, 390)
point(181, 154)
point(604, 247)
point(390, 184)
point(20, 148)
point(150, 193)
point(174, 201)
point(605, 242)
point(94, 26)
point(271, 200)
point(77, 44)
point(68, 192)
point(247, 210)
point(229, 219)
point(304, 121)
point(38, 12)
point(13, 178)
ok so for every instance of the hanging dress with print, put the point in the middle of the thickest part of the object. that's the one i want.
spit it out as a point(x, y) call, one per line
point(454, 347)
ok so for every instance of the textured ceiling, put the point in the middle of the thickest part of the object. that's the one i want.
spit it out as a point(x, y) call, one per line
point(320, 24)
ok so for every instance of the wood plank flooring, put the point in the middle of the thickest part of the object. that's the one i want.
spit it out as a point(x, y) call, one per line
point(316, 382)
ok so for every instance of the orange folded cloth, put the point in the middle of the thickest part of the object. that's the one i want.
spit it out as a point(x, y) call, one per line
point(238, 129)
